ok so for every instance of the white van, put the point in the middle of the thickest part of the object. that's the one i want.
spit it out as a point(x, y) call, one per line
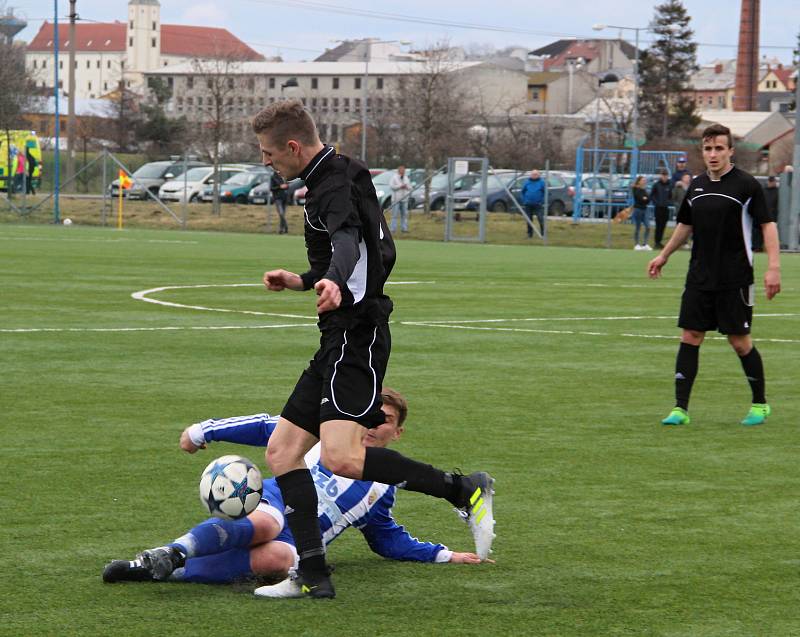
point(195, 180)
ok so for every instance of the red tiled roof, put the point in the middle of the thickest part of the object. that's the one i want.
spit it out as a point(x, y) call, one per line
point(586, 50)
point(784, 75)
point(176, 39)
point(106, 36)
point(208, 42)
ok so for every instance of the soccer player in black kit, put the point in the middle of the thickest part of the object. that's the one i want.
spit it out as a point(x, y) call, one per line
point(719, 211)
point(351, 254)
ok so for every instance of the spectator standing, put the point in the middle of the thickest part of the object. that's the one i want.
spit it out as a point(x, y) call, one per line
point(640, 201)
point(280, 191)
point(31, 163)
point(680, 170)
point(401, 187)
point(661, 197)
point(533, 200)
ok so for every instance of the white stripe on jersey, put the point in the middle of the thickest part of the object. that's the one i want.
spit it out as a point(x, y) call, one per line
point(357, 283)
point(236, 421)
point(747, 231)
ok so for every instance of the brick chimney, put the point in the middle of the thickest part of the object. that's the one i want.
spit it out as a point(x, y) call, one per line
point(744, 98)
point(718, 68)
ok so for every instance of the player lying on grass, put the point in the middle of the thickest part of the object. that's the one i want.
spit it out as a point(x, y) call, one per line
point(220, 551)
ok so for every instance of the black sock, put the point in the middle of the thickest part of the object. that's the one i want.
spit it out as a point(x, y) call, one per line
point(685, 372)
point(300, 500)
point(390, 467)
point(754, 370)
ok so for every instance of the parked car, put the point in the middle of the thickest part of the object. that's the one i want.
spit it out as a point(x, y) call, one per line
point(196, 179)
point(498, 198)
point(438, 191)
point(151, 176)
point(382, 180)
point(559, 199)
point(237, 188)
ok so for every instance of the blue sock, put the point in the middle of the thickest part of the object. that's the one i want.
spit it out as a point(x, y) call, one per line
point(221, 568)
point(215, 535)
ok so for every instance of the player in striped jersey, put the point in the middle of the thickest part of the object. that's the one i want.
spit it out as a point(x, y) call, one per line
point(219, 551)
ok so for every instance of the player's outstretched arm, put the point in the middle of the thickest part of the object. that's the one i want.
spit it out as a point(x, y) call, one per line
point(254, 430)
point(772, 277)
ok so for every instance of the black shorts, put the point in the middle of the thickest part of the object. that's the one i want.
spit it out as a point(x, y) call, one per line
point(344, 379)
point(728, 311)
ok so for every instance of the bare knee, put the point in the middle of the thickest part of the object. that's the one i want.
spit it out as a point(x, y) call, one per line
point(693, 337)
point(741, 344)
point(272, 558)
point(342, 462)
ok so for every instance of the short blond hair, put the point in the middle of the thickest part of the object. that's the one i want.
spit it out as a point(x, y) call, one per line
point(286, 120)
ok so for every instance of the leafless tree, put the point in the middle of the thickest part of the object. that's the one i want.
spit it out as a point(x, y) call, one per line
point(430, 104)
point(16, 92)
point(222, 117)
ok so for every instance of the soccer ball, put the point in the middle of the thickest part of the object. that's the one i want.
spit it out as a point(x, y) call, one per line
point(230, 487)
point(67, 221)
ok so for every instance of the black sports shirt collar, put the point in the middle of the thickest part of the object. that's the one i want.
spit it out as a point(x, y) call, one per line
point(309, 170)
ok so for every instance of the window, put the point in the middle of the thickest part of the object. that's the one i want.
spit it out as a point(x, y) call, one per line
point(76, 65)
point(108, 64)
point(314, 83)
point(379, 104)
point(335, 104)
point(209, 83)
point(324, 103)
point(154, 26)
point(380, 83)
point(90, 86)
point(367, 104)
point(251, 84)
point(335, 83)
point(230, 82)
point(535, 94)
point(44, 64)
point(334, 132)
point(98, 64)
point(189, 101)
point(346, 105)
point(710, 100)
point(357, 103)
point(313, 103)
point(130, 41)
point(105, 86)
point(357, 83)
point(323, 131)
point(153, 42)
point(304, 100)
point(189, 82)
point(61, 64)
point(35, 64)
point(271, 82)
point(131, 25)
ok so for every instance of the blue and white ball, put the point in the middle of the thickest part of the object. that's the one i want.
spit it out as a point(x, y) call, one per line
point(231, 487)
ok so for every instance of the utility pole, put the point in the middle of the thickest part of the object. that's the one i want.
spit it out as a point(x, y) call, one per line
point(71, 97)
point(364, 98)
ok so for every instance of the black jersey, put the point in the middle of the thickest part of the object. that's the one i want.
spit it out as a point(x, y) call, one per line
point(347, 238)
point(722, 214)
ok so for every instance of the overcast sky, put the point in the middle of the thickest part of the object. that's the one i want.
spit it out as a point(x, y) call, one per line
point(302, 29)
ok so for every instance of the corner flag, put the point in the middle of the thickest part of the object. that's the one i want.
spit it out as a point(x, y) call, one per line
point(125, 182)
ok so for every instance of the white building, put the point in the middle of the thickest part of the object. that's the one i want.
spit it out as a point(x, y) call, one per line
point(107, 53)
point(333, 91)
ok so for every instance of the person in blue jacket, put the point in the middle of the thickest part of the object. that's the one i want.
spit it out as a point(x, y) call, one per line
point(533, 201)
point(222, 551)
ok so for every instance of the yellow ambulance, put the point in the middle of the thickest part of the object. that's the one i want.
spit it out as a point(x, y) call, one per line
point(21, 140)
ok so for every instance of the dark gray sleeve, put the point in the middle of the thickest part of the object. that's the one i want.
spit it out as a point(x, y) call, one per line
point(345, 254)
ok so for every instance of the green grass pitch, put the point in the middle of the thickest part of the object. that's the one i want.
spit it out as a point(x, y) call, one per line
point(549, 367)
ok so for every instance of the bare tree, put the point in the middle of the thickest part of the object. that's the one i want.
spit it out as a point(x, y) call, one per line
point(123, 109)
point(431, 111)
point(15, 94)
point(222, 115)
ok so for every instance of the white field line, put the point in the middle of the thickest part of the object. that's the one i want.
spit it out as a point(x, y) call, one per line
point(74, 240)
point(576, 332)
point(142, 295)
point(568, 318)
point(174, 328)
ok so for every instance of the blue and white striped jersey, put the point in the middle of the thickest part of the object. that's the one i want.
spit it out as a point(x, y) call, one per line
point(343, 502)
